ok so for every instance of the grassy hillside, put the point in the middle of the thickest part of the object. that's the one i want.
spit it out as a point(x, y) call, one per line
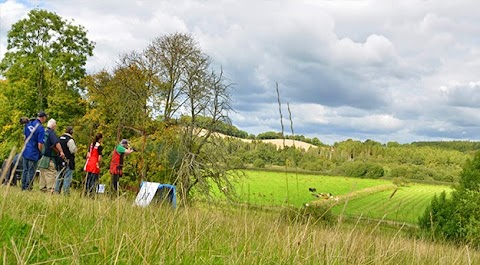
point(38, 228)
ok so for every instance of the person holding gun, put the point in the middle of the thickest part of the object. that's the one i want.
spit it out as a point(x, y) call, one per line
point(92, 165)
point(70, 148)
point(116, 164)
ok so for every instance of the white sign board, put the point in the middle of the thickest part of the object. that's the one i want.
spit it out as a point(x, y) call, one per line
point(101, 188)
point(146, 193)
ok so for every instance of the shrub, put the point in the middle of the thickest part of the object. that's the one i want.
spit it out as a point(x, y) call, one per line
point(260, 163)
point(457, 218)
point(418, 172)
point(359, 169)
point(317, 165)
point(374, 171)
point(400, 172)
point(352, 169)
point(236, 162)
point(315, 214)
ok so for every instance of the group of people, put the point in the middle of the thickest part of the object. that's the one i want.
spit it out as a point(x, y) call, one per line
point(55, 158)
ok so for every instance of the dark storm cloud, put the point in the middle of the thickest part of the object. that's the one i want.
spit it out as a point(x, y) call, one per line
point(333, 89)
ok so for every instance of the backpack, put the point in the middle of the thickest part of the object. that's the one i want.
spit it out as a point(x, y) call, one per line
point(47, 149)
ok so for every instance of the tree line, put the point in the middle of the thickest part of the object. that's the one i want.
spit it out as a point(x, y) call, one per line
point(368, 159)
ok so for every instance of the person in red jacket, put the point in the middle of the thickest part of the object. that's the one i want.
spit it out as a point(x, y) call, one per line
point(116, 164)
point(92, 166)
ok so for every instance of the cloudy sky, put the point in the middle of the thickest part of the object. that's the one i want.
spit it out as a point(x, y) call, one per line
point(384, 70)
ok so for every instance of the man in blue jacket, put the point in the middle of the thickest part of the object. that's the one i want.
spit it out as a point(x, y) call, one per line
point(33, 133)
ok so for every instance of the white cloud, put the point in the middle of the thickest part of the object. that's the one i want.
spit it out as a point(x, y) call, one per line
point(382, 70)
point(10, 12)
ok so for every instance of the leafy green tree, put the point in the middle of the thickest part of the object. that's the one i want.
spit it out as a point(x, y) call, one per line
point(457, 217)
point(470, 177)
point(317, 142)
point(46, 55)
point(259, 163)
point(11, 132)
point(169, 60)
point(269, 135)
point(374, 171)
point(172, 78)
point(393, 144)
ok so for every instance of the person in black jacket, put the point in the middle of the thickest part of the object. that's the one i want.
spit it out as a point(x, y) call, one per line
point(64, 177)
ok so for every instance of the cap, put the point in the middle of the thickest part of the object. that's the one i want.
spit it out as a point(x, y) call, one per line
point(42, 114)
point(124, 141)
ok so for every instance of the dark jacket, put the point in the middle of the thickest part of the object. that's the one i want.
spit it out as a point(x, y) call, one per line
point(68, 155)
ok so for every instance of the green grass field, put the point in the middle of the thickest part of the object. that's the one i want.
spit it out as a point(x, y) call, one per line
point(406, 205)
point(279, 188)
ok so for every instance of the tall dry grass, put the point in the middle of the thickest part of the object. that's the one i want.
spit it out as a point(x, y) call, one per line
point(37, 228)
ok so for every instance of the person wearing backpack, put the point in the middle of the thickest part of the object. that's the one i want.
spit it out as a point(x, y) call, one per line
point(64, 177)
point(48, 163)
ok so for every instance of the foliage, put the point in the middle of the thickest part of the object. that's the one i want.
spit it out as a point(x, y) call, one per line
point(44, 63)
point(308, 214)
point(310, 161)
point(270, 135)
point(279, 135)
point(359, 169)
point(142, 99)
point(47, 53)
point(457, 218)
point(470, 177)
point(462, 146)
point(259, 163)
point(219, 126)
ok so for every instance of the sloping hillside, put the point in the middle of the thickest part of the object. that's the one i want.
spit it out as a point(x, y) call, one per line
point(280, 143)
point(289, 142)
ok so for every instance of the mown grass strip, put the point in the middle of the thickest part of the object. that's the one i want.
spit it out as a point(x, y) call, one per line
point(270, 188)
point(406, 205)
